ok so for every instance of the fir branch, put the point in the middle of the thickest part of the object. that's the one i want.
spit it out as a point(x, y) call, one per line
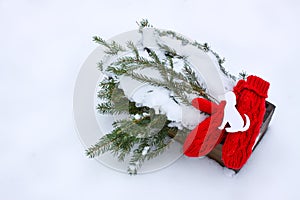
point(143, 23)
point(169, 52)
point(243, 75)
point(103, 145)
point(155, 145)
point(176, 75)
point(123, 145)
point(105, 108)
point(171, 63)
point(114, 98)
point(158, 64)
point(130, 133)
point(193, 80)
point(133, 109)
point(113, 48)
point(100, 65)
point(126, 66)
point(116, 142)
point(183, 40)
point(133, 127)
point(137, 158)
point(204, 47)
point(116, 70)
point(145, 79)
point(107, 86)
point(148, 136)
point(222, 68)
point(134, 49)
point(153, 55)
point(179, 89)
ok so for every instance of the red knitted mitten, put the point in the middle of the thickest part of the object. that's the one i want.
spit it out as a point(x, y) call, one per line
point(206, 135)
point(250, 97)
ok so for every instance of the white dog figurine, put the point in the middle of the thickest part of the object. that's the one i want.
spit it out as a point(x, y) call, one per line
point(232, 116)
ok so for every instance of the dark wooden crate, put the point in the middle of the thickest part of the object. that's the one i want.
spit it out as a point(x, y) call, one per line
point(216, 153)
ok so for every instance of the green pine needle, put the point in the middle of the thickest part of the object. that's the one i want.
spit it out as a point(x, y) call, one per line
point(147, 136)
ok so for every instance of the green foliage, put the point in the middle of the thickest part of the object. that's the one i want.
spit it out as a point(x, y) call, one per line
point(134, 49)
point(100, 65)
point(204, 47)
point(193, 81)
point(145, 134)
point(114, 100)
point(143, 23)
point(117, 142)
point(243, 75)
point(151, 132)
point(113, 48)
point(180, 83)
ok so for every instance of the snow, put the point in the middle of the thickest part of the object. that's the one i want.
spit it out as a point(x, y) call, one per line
point(159, 99)
point(145, 151)
point(162, 100)
point(137, 116)
point(43, 45)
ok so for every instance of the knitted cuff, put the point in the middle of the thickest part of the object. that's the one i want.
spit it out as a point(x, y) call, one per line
point(239, 86)
point(258, 85)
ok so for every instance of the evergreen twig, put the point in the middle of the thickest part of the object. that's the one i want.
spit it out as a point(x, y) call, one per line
point(204, 47)
point(143, 23)
point(113, 48)
point(148, 135)
point(243, 75)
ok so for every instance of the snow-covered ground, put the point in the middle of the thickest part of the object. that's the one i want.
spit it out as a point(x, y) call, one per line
point(42, 47)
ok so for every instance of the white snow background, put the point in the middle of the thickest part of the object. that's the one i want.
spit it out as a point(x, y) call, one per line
point(42, 47)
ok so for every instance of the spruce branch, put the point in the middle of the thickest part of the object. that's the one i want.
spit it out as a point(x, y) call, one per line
point(117, 142)
point(179, 83)
point(204, 47)
point(129, 136)
point(107, 87)
point(145, 79)
point(100, 65)
point(133, 109)
point(113, 48)
point(169, 52)
point(146, 136)
point(178, 88)
point(243, 75)
point(134, 49)
point(103, 145)
point(105, 108)
point(193, 80)
point(149, 148)
point(137, 158)
point(153, 55)
point(114, 100)
point(143, 23)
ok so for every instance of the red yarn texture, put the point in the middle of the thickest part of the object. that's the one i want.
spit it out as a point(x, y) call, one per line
point(206, 135)
point(250, 96)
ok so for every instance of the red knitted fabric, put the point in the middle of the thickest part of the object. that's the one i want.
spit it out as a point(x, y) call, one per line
point(250, 95)
point(206, 135)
